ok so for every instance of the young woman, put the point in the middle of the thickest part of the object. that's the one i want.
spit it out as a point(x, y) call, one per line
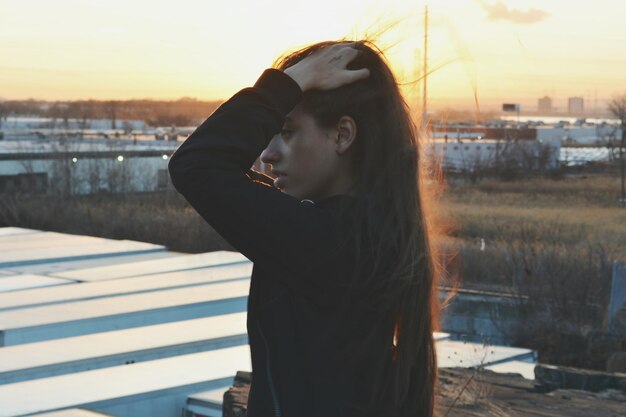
point(342, 301)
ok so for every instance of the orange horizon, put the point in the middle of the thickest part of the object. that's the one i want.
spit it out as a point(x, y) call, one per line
point(497, 50)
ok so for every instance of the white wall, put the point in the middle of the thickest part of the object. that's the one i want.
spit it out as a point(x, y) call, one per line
point(88, 175)
point(471, 155)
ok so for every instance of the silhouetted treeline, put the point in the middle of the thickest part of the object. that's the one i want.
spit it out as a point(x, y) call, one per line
point(182, 112)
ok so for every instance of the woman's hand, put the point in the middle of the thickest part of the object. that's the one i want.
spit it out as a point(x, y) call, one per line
point(325, 69)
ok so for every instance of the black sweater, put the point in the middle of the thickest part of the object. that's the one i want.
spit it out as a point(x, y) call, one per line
point(312, 353)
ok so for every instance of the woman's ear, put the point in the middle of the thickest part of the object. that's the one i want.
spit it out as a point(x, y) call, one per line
point(346, 133)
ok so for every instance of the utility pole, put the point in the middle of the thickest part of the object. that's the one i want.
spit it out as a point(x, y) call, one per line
point(617, 106)
point(622, 162)
point(417, 76)
point(425, 72)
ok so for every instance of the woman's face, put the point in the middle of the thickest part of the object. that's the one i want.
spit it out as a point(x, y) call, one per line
point(304, 157)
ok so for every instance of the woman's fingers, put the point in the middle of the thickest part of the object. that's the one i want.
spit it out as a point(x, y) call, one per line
point(355, 75)
point(351, 53)
point(326, 68)
point(345, 54)
point(336, 73)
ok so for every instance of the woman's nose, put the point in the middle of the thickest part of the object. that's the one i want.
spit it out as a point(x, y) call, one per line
point(270, 154)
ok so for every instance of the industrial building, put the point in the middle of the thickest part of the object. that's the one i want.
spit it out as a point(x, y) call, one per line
point(474, 155)
point(74, 166)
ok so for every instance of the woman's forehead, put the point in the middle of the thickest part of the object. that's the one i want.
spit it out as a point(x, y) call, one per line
point(297, 114)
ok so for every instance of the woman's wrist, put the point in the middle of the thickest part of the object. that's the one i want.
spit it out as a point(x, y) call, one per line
point(298, 77)
point(280, 89)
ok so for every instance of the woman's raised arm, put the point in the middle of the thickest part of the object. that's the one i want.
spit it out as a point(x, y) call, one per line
point(211, 169)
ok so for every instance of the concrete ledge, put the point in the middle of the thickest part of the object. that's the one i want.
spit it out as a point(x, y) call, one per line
point(550, 377)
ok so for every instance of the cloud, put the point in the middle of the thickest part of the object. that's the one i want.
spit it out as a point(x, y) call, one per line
point(499, 11)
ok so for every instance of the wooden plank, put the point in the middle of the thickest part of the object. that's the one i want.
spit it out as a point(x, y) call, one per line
point(43, 247)
point(157, 388)
point(100, 350)
point(182, 263)
point(125, 286)
point(92, 316)
point(12, 283)
point(50, 268)
point(73, 412)
point(12, 231)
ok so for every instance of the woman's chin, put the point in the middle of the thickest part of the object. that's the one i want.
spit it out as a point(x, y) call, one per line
point(279, 182)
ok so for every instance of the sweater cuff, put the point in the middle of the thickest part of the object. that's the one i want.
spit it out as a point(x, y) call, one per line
point(284, 92)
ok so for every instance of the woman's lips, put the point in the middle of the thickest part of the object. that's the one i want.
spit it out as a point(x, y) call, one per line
point(279, 181)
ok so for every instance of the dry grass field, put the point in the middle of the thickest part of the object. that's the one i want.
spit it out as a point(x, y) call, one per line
point(550, 242)
point(161, 217)
point(572, 211)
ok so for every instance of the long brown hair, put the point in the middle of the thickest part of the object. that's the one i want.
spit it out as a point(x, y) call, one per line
point(389, 169)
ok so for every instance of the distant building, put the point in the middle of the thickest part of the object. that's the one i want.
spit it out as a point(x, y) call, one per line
point(544, 105)
point(469, 155)
point(51, 123)
point(575, 105)
point(83, 167)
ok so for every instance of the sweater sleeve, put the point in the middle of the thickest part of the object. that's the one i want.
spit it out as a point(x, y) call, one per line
point(211, 169)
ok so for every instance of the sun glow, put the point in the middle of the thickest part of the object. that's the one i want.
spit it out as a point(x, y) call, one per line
point(489, 49)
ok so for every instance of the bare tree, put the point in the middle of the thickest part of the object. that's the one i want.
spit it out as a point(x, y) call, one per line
point(4, 111)
point(617, 106)
point(111, 108)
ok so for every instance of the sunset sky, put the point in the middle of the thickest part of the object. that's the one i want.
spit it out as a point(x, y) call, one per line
point(504, 50)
